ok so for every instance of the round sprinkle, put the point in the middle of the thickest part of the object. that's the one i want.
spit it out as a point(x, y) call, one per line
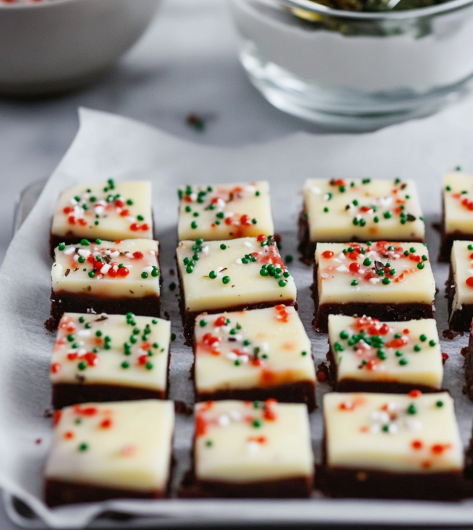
point(194, 225)
point(420, 265)
point(144, 275)
point(432, 343)
point(257, 424)
point(92, 274)
point(61, 246)
point(125, 364)
point(439, 404)
point(223, 246)
point(304, 353)
point(344, 335)
point(423, 338)
point(354, 282)
point(226, 279)
point(386, 281)
point(417, 348)
point(289, 258)
point(209, 443)
point(212, 275)
point(203, 323)
point(367, 262)
point(173, 336)
point(411, 409)
point(282, 283)
point(83, 446)
point(403, 362)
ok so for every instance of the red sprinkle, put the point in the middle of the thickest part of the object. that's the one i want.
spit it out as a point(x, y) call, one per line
point(415, 393)
point(327, 254)
point(138, 255)
point(261, 237)
point(469, 281)
point(106, 424)
point(417, 444)
point(55, 368)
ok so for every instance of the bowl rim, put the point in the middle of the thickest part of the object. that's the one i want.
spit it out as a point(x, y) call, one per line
point(422, 12)
point(36, 5)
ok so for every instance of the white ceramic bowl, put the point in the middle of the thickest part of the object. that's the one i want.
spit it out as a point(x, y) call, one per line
point(55, 46)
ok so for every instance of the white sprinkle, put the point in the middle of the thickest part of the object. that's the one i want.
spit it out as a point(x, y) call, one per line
point(374, 280)
point(114, 254)
point(71, 351)
point(148, 269)
point(250, 188)
point(224, 420)
point(393, 428)
point(82, 351)
point(105, 268)
point(342, 256)
point(235, 415)
point(76, 257)
point(99, 209)
point(253, 447)
point(385, 201)
point(238, 261)
point(238, 337)
point(193, 196)
point(315, 190)
point(128, 254)
point(244, 358)
point(336, 260)
point(73, 201)
point(232, 356)
point(384, 416)
point(395, 256)
point(220, 203)
point(69, 251)
point(84, 333)
point(342, 268)
point(324, 275)
point(84, 252)
point(248, 244)
point(392, 406)
point(152, 252)
point(228, 214)
point(205, 249)
point(264, 346)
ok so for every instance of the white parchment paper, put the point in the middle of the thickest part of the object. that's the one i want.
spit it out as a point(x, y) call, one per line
point(109, 146)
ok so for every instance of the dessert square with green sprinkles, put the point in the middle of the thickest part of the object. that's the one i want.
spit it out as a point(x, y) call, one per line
point(224, 211)
point(339, 210)
point(127, 355)
point(385, 280)
point(459, 287)
point(249, 354)
point(111, 210)
point(373, 356)
point(238, 274)
point(383, 445)
point(104, 451)
point(262, 445)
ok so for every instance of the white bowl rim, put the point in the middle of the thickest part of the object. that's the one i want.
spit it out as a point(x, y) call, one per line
point(37, 5)
point(314, 7)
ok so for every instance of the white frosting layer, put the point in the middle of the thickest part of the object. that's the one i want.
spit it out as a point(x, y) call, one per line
point(343, 210)
point(111, 350)
point(70, 273)
point(462, 266)
point(247, 349)
point(366, 349)
point(88, 211)
point(237, 442)
point(224, 211)
point(392, 432)
point(458, 203)
point(344, 277)
point(123, 445)
point(246, 285)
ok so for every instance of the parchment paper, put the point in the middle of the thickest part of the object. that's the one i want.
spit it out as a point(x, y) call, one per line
point(109, 146)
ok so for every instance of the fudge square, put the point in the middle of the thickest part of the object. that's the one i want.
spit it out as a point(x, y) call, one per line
point(457, 211)
point(104, 451)
point(251, 449)
point(468, 353)
point(224, 211)
point(109, 358)
point(359, 210)
point(254, 355)
point(245, 273)
point(367, 355)
point(116, 210)
point(387, 281)
point(392, 446)
point(460, 286)
point(106, 277)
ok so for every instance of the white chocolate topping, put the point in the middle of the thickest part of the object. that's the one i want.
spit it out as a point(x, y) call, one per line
point(379, 273)
point(392, 432)
point(462, 266)
point(111, 350)
point(73, 266)
point(224, 211)
point(367, 210)
point(458, 203)
point(228, 274)
point(122, 445)
point(243, 442)
point(121, 212)
point(366, 349)
point(248, 349)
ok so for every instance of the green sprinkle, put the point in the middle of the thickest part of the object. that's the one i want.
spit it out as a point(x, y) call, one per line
point(173, 336)
point(354, 282)
point(344, 335)
point(193, 225)
point(420, 265)
point(338, 347)
point(399, 353)
point(376, 219)
point(70, 338)
point(144, 275)
point(129, 202)
point(257, 193)
point(155, 273)
point(212, 275)
point(412, 250)
point(257, 424)
point(81, 259)
point(237, 362)
point(61, 246)
point(387, 215)
point(411, 409)
point(226, 279)
point(326, 210)
point(362, 222)
point(470, 247)
point(381, 354)
point(149, 365)
point(432, 343)
point(209, 443)
point(223, 246)
point(88, 325)
point(85, 243)
point(289, 258)
point(125, 364)
point(199, 241)
point(366, 181)
point(140, 218)
point(386, 281)
point(417, 348)
point(423, 338)
point(82, 365)
point(341, 189)
point(304, 353)
point(439, 404)
point(282, 283)
point(264, 272)
point(189, 269)
point(367, 262)
point(83, 446)
point(448, 188)
point(203, 323)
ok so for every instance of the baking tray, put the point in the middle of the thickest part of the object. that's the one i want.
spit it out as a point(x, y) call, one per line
point(22, 516)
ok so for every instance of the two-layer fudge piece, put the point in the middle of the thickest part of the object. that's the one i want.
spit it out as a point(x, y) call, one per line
point(384, 280)
point(459, 290)
point(109, 358)
point(224, 211)
point(250, 449)
point(104, 451)
point(106, 277)
point(116, 210)
point(468, 353)
point(254, 355)
point(367, 355)
point(457, 212)
point(339, 210)
point(244, 273)
point(392, 446)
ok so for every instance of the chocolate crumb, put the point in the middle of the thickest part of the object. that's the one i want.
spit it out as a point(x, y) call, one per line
point(38, 441)
point(450, 335)
point(181, 407)
point(48, 413)
point(166, 315)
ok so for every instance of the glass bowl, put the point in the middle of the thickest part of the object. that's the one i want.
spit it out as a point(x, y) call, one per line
point(356, 70)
